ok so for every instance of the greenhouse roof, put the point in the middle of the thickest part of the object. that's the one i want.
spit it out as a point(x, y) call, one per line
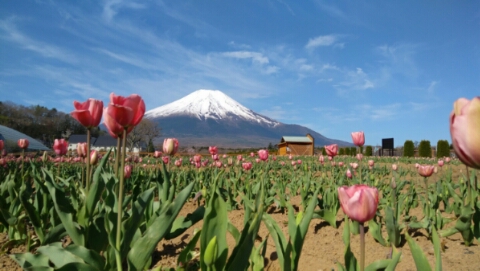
point(9, 134)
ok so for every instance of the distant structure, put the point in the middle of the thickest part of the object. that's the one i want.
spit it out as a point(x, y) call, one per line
point(101, 143)
point(387, 144)
point(11, 136)
point(296, 145)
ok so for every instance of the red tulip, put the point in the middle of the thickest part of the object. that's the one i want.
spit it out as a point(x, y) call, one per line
point(212, 150)
point(60, 146)
point(114, 129)
point(23, 143)
point(2, 145)
point(464, 130)
point(263, 155)
point(88, 113)
point(358, 138)
point(331, 150)
point(359, 201)
point(127, 111)
point(425, 170)
point(170, 146)
point(127, 171)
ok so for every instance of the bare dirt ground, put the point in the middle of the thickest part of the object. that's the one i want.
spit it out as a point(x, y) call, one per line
point(323, 246)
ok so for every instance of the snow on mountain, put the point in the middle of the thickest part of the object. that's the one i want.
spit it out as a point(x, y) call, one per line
point(209, 104)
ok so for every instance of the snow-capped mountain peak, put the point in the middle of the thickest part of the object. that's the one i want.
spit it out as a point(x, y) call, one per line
point(209, 104)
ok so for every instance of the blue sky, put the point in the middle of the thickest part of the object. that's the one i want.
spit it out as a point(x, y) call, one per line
point(389, 68)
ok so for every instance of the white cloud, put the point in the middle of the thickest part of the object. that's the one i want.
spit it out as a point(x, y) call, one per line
point(321, 41)
point(111, 7)
point(431, 87)
point(256, 57)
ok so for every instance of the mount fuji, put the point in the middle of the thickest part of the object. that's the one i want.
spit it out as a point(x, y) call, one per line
point(209, 117)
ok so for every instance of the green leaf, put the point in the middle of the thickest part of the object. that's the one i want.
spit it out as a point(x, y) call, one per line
point(181, 224)
point(143, 247)
point(419, 257)
point(184, 256)
point(437, 250)
point(64, 210)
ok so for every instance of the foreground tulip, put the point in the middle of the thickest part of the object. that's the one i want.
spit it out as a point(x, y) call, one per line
point(170, 146)
point(359, 201)
point(23, 143)
point(2, 145)
point(465, 131)
point(358, 138)
point(88, 113)
point(331, 150)
point(263, 155)
point(425, 170)
point(60, 146)
point(127, 111)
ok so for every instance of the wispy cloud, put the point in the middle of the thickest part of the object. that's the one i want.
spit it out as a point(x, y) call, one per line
point(11, 33)
point(327, 40)
point(111, 7)
point(256, 57)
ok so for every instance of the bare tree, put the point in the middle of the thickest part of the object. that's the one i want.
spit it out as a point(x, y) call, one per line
point(146, 131)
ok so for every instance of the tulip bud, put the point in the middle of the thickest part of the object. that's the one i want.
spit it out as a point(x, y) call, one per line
point(23, 143)
point(127, 171)
point(93, 157)
point(170, 146)
point(211, 252)
point(45, 157)
point(299, 218)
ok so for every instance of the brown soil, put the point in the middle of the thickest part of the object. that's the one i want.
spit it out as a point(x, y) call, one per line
point(323, 246)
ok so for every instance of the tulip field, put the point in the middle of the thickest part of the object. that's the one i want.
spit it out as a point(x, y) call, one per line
point(276, 213)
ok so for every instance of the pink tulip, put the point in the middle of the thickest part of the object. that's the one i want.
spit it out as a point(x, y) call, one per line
point(157, 154)
point(166, 159)
point(82, 149)
point(321, 159)
point(218, 164)
point(349, 174)
point(239, 157)
point(425, 170)
point(358, 138)
point(252, 154)
point(215, 157)
point(465, 132)
point(60, 146)
point(447, 160)
point(359, 201)
point(274, 158)
point(340, 164)
point(282, 163)
point(213, 150)
point(371, 163)
point(123, 113)
point(127, 171)
point(417, 165)
point(247, 165)
point(290, 157)
point(263, 155)
point(23, 143)
point(440, 163)
point(294, 163)
point(331, 150)
point(359, 156)
point(258, 160)
point(170, 146)
point(88, 113)
point(394, 167)
point(299, 162)
point(178, 162)
point(354, 165)
point(197, 158)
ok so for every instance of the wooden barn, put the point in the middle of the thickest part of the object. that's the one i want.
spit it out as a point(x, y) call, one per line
point(296, 145)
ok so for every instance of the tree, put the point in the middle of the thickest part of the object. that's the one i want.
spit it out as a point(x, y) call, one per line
point(424, 149)
point(443, 149)
point(368, 151)
point(408, 149)
point(145, 132)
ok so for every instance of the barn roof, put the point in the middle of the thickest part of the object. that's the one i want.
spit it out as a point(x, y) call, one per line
point(298, 139)
point(10, 134)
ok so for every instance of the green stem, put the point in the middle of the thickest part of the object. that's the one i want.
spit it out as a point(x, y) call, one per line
point(427, 205)
point(120, 203)
point(362, 247)
point(88, 161)
point(469, 189)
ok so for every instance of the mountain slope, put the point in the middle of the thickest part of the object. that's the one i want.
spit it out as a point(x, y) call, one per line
point(209, 117)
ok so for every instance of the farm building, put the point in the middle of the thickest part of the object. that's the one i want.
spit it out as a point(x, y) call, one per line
point(11, 136)
point(296, 145)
